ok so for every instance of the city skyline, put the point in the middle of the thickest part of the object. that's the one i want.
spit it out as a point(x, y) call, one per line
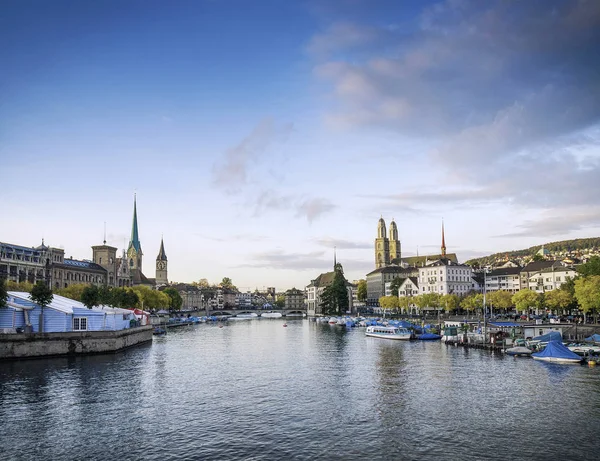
point(257, 139)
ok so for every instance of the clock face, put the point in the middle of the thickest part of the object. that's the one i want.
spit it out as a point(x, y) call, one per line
point(160, 264)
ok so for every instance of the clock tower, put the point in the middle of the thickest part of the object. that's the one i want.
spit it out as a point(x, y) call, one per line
point(161, 266)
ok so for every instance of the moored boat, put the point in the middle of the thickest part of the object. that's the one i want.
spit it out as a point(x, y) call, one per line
point(246, 316)
point(519, 351)
point(377, 331)
point(556, 352)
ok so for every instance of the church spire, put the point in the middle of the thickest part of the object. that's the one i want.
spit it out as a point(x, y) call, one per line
point(162, 256)
point(443, 241)
point(135, 240)
point(334, 259)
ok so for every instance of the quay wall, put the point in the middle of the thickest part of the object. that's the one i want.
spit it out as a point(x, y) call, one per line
point(31, 345)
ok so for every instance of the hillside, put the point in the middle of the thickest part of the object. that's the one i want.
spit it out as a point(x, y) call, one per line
point(575, 248)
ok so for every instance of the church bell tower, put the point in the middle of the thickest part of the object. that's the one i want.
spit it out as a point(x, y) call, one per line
point(161, 266)
point(382, 246)
point(395, 250)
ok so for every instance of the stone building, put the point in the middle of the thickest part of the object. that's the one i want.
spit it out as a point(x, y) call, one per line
point(294, 299)
point(315, 289)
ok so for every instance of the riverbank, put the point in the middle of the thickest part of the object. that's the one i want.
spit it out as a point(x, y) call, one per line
point(36, 345)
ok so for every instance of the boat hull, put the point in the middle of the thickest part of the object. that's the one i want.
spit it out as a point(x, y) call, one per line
point(557, 360)
point(401, 337)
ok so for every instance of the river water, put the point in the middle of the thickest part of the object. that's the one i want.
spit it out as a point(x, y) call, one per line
point(258, 391)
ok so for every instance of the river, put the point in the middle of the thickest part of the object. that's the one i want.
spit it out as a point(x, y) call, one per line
point(255, 390)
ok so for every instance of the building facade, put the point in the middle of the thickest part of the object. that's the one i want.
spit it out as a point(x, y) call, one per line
point(315, 289)
point(294, 299)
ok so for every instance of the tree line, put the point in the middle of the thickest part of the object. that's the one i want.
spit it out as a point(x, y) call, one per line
point(580, 293)
point(141, 297)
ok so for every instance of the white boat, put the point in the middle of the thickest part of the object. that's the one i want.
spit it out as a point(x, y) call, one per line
point(519, 351)
point(333, 321)
point(247, 316)
point(555, 351)
point(377, 331)
point(271, 315)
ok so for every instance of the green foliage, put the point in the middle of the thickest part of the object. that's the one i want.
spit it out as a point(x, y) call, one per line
point(72, 291)
point(472, 302)
point(526, 299)
point(558, 299)
point(587, 292)
point(395, 285)
point(227, 284)
point(175, 299)
point(389, 302)
point(500, 299)
point(562, 246)
point(537, 257)
point(361, 290)
point(592, 267)
point(151, 299)
point(125, 298)
point(334, 299)
point(3, 293)
point(19, 286)
point(280, 301)
point(450, 302)
point(89, 296)
point(41, 294)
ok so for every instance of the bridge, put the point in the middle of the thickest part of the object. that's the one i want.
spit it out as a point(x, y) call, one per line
point(283, 312)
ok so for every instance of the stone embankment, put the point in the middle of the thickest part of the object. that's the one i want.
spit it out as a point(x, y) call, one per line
point(33, 345)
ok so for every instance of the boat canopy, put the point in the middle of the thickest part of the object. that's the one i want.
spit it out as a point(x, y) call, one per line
point(595, 338)
point(558, 350)
point(550, 336)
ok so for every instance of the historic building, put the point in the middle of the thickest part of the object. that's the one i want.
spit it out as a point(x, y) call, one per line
point(315, 289)
point(386, 249)
point(27, 264)
point(294, 299)
point(161, 266)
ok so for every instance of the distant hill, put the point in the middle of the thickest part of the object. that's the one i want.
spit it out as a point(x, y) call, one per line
point(577, 247)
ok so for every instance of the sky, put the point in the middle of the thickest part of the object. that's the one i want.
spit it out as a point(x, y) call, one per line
point(259, 135)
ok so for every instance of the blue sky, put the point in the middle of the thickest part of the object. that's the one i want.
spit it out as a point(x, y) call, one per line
point(259, 134)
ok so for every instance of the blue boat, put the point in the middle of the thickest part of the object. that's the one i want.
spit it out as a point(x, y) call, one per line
point(557, 352)
point(429, 337)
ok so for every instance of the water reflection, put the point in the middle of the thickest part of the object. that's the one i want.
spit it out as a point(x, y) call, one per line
point(256, 390)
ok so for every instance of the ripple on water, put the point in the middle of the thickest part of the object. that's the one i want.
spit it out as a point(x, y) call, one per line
point(255, 390)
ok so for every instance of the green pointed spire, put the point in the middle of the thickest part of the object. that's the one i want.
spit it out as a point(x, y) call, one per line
point(135, 240)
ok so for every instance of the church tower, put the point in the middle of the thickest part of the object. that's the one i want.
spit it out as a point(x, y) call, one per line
point(161, 266)
point(395, 250)
point(382, 246)
point(134, 251)
point(443, 242)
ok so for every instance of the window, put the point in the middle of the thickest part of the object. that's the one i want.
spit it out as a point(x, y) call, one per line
point(79, 323)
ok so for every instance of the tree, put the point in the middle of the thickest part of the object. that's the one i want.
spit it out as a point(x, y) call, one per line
point(404, 303)
point(334, 299)
point(500, 299)
point(226, 283)
point(175, 299)
point(105, 296)
point(361, 290)
point(587, 292)
point(525, 300)
point(592, 267)
point(202, 283)
point(395, 285)
point(19, 286)
point(558, 300)
point(41, 295)
point(472, 302)
point(151, 299)
point(389, 302)
point(450, 302)
point(537, 257)
point(72, 291)
point(3, 293)
point(89, 296)
point(280, 301)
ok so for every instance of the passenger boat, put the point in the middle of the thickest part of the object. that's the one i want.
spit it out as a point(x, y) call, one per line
point(378, 331)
